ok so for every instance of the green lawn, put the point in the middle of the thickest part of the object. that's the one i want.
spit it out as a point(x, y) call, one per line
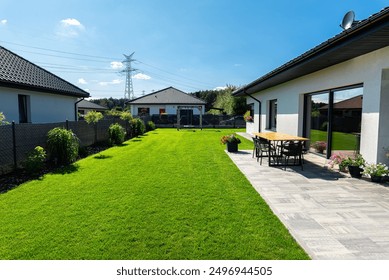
point(341, 140)
point(167, 195)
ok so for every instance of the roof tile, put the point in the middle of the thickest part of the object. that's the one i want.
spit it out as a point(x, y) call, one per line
point(18, 72)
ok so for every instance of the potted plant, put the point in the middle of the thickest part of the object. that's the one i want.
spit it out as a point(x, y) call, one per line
point(232, 142)
point(247, 117)
point(376, 171)
point(320, 146)
point(355, 165)
point(338, 159)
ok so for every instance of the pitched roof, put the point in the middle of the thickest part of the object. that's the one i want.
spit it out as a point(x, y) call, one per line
point(90, 105)
point(168, 95)
point(17, 72)
point(351, 103)
point(366, 36)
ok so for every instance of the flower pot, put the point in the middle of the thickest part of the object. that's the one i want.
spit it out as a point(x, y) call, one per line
point(355, 171)
point(376, 179)
point(232, 147)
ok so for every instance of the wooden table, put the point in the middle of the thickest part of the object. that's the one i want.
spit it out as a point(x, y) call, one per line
point(278, 137)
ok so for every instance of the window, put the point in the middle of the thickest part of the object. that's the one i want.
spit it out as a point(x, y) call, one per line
point(272, 115)
point(143, 111)
point(162, 111)
point(24, 108)
point(334, 117)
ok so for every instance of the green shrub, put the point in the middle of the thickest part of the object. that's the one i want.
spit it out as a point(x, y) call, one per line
point(62, 146)
point(126, 116)
point(35, 161)
point(116, 134)
point(2, 119)
point(93, 117)
point(137, 127)
point(150, 126)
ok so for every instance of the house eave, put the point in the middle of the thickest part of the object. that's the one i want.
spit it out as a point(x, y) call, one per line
point(369, 35)
point(41, 89)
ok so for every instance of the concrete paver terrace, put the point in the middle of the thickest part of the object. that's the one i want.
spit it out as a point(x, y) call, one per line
point(333, 217)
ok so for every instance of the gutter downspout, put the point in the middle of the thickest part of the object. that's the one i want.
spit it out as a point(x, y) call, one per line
point(259, 111)
point(75, 109)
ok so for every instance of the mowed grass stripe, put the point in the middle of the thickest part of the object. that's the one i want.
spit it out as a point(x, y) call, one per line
point(167, 195)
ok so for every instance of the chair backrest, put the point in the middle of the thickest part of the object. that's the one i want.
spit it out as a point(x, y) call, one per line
point(295, 148)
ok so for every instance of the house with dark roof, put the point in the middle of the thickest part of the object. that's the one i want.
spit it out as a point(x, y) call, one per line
point(31, 94)
point(169, 101)
point(303, 97)
point(85, 106)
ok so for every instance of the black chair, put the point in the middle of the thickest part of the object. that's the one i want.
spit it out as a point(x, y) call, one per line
point(295, 150)
point(261, 148)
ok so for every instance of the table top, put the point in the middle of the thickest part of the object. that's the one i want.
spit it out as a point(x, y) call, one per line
point(278, 136)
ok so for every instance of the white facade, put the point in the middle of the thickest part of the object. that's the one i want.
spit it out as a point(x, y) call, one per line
point(41, 107)
point(169, 109)
point(371, 70)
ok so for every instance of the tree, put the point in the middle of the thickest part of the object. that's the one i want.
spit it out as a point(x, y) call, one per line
point(224, 100)
point(2, 119)
point(93, 117)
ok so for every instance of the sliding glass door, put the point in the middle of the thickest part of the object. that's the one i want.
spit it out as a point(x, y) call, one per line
point(346, 120)
point(318, 122)
point(333, 120)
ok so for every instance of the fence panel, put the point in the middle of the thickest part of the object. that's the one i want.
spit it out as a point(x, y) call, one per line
point(6, 149)
point(84, 132)
point(28, 136)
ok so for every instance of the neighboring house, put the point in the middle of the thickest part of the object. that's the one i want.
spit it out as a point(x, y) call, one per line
point(84, 106)
point(353, 66)
point(30, 94)
point(169, 102)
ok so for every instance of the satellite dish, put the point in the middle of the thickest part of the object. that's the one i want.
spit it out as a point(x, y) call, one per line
point(348, 20)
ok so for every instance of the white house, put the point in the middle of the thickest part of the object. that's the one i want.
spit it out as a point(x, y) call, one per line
point(337, 92)
point(168, 101)
point(85, 106)
point(30, 94)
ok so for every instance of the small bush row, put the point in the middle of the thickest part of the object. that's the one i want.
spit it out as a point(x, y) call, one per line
point(63, 146)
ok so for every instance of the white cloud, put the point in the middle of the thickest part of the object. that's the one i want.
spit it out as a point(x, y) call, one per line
point(141, 76)
point(70, 27)
point(3, 22)
point(82, 81)
point(71, 22)
point(113, 82)
point(116, 65)
point(219, 88)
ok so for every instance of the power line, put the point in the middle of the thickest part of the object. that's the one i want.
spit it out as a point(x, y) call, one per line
point(62, 68)
point(51, 50)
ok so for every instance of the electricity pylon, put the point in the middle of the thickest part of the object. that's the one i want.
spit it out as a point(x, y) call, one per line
point(129, 90)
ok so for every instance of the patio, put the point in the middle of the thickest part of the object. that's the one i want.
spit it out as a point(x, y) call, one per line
point(332, 216)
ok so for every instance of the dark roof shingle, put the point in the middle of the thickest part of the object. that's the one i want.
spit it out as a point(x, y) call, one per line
point(17, 72)
point(168, 95)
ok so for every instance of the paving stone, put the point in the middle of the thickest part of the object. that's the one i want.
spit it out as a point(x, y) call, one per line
point(332, 216)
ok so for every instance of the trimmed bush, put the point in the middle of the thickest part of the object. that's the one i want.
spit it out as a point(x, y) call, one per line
point(35, 161)
point(150, 126)
point(116, 134)
point(137, 127)
point(126, 116)
point(93, 117)
point(62, 146)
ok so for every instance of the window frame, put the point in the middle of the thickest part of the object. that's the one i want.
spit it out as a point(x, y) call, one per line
point(272, 115)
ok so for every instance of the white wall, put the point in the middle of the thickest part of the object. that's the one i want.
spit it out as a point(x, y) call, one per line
point(44, 107)
point(154, 109)
point(366, 69)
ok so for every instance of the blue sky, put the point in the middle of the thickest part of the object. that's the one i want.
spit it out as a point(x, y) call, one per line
point(190, 45)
